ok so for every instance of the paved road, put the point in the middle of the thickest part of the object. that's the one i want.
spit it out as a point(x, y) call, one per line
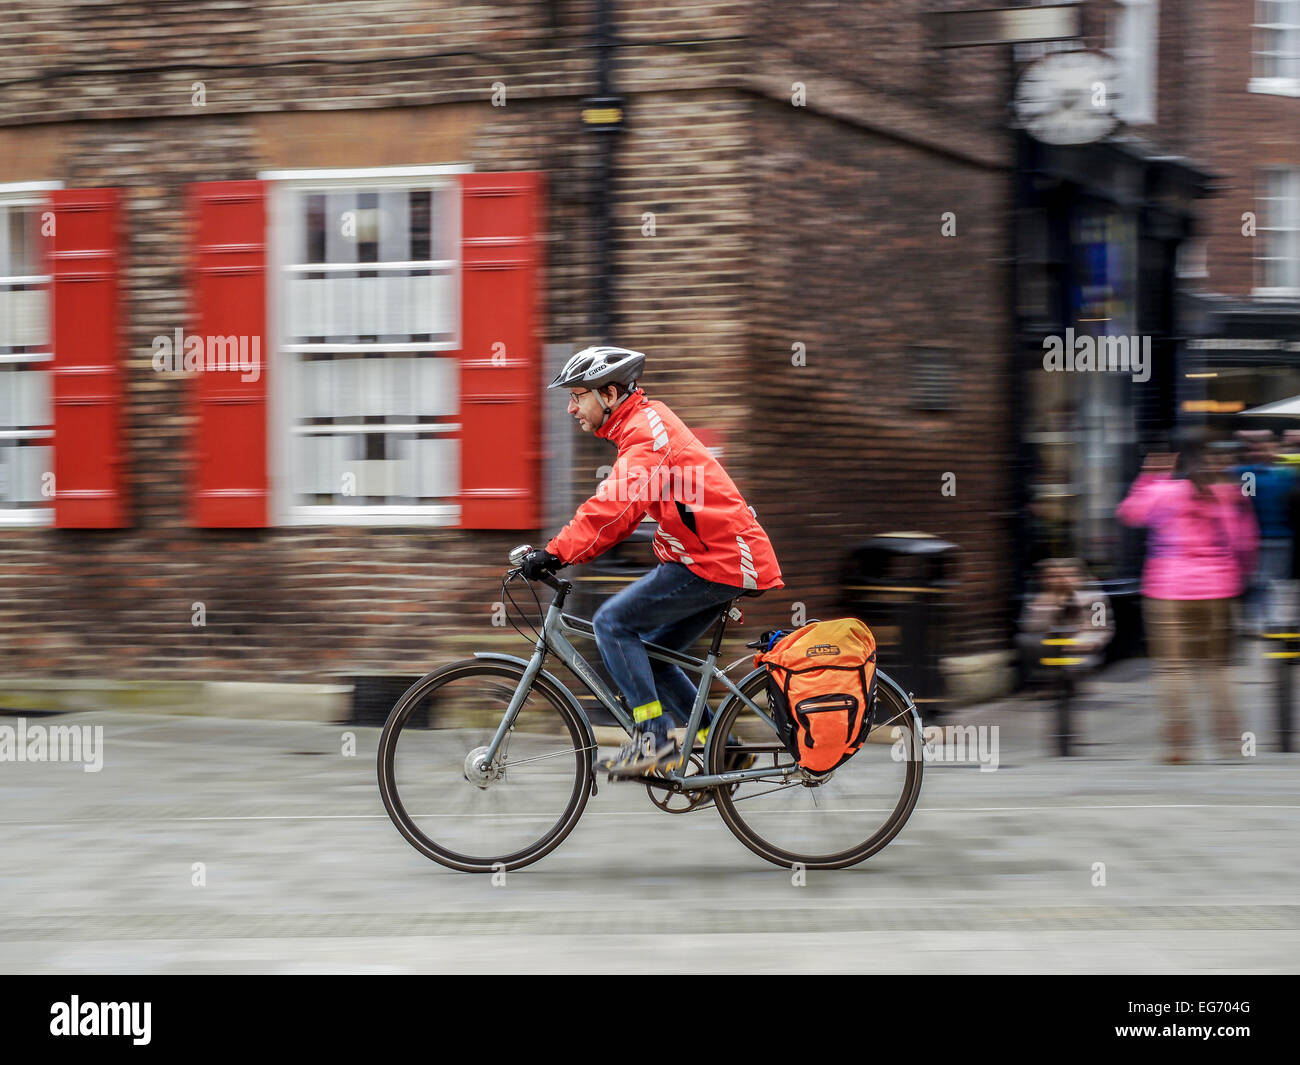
point(304, 873)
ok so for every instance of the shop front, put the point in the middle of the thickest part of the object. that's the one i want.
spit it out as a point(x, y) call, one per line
point(1097, 236)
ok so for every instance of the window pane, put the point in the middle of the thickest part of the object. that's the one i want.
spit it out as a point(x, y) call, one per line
point(24, 468)
point(29, 312)
point(339, 316)
point(381, 477)
point(374, 387)
point(323, 461)
point(32, 398)
point(24, 249)
point(339, 248)
point(357, 311)
point(23, 318)
point(316, 388)
point(437, 386)
point(347, 387)
point(420, 225)
point(394, 225)
point(434, 467)
point(401, 400)
point(315, 230)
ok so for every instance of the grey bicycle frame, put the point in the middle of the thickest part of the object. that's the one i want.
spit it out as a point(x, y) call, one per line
point(556, 629)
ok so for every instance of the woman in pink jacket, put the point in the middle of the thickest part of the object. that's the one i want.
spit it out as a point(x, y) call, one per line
point(1200, 554)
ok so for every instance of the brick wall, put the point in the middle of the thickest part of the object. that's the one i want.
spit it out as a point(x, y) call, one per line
point(772, 224)
point(854, 267)
point(290, 604)
point(1244, 131)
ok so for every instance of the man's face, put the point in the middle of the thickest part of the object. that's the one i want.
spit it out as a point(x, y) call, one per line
point(585, 406)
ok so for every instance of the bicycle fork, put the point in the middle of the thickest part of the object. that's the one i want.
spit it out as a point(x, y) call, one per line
point(531, 671)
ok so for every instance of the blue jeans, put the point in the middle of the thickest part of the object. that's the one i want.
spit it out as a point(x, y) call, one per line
point(1264, 604)
point(669, 606)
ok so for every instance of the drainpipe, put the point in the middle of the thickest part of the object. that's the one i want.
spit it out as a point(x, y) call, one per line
point(603, 115)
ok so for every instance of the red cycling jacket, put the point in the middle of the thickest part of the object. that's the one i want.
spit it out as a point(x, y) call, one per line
point(664, 471)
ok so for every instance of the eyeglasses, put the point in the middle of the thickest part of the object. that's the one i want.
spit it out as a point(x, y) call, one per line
point(575, 396)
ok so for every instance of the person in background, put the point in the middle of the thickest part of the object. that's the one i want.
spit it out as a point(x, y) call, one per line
point(1202, 538)
point(1067, 604)
point(1288, 452)
point(1268, 485)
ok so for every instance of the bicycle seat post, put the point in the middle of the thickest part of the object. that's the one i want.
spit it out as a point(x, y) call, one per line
point(719, 629)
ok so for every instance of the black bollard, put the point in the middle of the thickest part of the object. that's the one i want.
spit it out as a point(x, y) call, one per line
point(1285, 691)
point(1064, 691)
point(1286, 685)
point(1063, 715)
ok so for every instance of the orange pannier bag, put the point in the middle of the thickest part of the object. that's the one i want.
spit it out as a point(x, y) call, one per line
point(822, 690)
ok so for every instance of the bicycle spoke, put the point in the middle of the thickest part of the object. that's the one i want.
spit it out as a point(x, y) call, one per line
point(540, 757)
point(449, 802)
point(830, 821)
point(759, 794)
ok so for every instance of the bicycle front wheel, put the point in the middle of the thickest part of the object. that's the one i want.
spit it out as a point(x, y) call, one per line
point(831, 824)
point(472, 817)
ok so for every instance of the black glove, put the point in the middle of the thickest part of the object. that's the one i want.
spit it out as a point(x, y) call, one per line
point(538, 562)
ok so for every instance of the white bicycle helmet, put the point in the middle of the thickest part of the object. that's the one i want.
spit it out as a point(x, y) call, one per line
point(599, 366)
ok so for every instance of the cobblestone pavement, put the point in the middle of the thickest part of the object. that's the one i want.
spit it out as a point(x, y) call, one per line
point(995, 871)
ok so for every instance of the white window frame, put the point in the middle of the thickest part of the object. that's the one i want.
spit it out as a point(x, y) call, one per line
point(1135, 46)
point(1275, 86)
point(1291, 225)
point(1029, 51)
point(24, 194)
point(281, 405)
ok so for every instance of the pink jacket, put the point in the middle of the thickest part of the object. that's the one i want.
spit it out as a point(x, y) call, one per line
point(1198, 548)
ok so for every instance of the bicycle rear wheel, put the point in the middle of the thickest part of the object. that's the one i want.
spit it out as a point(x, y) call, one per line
point(831, 824)
point(443, 801)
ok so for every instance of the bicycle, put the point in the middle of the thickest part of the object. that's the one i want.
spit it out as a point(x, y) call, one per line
point(487, 763)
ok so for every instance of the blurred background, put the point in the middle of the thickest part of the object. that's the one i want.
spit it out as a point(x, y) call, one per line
point(282, 285)
point(841, 233)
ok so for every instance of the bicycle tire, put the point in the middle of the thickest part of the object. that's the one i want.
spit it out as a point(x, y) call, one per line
point(735, 718)
point(435, 768)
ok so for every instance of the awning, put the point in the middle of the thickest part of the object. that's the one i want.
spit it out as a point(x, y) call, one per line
point(1283, 408)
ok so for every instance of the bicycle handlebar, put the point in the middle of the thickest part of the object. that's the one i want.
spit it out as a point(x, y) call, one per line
point(549, 579)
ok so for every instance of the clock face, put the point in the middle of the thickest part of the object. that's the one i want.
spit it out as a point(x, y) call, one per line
point(1068, 97)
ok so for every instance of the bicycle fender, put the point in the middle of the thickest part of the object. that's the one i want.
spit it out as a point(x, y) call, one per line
point(883, 677)
point(545, 677)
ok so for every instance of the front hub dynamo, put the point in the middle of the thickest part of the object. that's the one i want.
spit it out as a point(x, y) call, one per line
point(477, 772)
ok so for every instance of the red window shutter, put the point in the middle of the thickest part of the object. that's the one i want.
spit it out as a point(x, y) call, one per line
point(229, 300)
point(499, 358)
point(85, 264)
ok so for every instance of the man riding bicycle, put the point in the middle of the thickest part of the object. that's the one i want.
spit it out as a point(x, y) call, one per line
point(710, 546)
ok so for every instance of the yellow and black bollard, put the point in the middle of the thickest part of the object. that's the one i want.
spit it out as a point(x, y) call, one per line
point(1065, 689)
point(1286, 659)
